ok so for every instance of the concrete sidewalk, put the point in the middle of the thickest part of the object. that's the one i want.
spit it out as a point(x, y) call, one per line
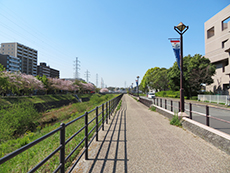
point(139, 140)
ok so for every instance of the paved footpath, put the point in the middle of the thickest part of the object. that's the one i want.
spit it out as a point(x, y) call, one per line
point(139, 140)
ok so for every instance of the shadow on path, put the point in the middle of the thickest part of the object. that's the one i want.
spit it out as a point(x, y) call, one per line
point(110, 152)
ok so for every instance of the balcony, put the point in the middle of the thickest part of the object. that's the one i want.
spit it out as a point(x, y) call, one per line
point(14, 61)
point(227, 70)
point(14, 65)
point(227, 46)
point(19, 51)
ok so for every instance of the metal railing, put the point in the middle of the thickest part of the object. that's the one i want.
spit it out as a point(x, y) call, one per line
point(107, 109)
point(225, 99)
point(174, 106)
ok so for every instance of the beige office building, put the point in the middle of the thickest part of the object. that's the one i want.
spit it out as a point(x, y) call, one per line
point(217, 49)
point(27, 55)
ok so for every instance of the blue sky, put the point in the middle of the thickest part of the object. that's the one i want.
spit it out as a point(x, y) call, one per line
point(118, 40)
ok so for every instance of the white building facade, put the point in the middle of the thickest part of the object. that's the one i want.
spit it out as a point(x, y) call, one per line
point(217, 49)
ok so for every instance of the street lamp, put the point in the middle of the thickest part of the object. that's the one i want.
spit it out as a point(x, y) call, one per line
point(132, 88)
point(137, 86)
point(181, 29)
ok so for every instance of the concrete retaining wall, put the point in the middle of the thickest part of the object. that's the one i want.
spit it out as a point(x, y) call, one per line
point(215, 137)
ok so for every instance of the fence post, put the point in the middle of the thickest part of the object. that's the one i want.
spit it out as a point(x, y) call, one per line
point(171, 105)
point(207, 115)
point(86, 135)
point(154, 101)
point(96, 123)
point(106, 112)
point(157, 101)
point(62, 151)
point(190, 110)
point(165, 104)
point(109, 109)
point(103, 116)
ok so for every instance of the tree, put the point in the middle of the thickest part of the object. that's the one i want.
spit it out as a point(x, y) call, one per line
point(197, 70)
point(104, 90)
point(2, 68)
point(147, 79)
point(155, 78)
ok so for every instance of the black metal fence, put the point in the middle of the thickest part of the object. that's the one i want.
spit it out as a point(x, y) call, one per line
point(174, 106)
point(107, 109)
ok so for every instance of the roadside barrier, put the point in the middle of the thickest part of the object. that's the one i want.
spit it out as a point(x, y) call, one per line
point(174, 106)
point(107, 109)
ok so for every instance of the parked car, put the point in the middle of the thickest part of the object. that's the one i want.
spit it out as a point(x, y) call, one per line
point(151, 95)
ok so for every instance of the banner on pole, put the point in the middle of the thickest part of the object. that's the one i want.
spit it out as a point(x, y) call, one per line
point(176, 49)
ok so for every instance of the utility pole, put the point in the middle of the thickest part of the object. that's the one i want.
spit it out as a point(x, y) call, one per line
point(87, 75)
point(76, 68)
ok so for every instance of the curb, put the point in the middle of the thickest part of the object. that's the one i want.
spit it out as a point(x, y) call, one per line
point(215, 137)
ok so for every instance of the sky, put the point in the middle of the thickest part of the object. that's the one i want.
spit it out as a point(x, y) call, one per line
point(117, 40)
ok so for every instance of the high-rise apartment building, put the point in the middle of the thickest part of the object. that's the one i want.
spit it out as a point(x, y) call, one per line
point(27, 55)
point(42, 69)
point(54, 73)
point(10, 63)
point(217, 49)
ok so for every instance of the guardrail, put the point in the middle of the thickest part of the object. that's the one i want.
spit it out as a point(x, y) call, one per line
point(215, 98)
point(170, 105)
point(107, 109)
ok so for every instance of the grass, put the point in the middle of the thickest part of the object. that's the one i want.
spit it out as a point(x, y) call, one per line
point(35, 99)
point(119, 106)
point(152, 108)
point(176, 121)
point(28, 159)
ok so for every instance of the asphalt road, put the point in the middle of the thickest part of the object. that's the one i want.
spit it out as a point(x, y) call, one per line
point(214, 111)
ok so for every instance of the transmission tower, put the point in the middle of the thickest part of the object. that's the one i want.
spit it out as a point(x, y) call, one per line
point(96, 80)
point(76, 68)
point(102, 83)
point(87, 75)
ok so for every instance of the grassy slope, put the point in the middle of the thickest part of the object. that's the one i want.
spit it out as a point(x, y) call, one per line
point(35, 99)
point(28, 159)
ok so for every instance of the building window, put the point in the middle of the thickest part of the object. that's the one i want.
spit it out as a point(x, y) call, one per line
point(225, 23)
point(210, 32)
point(223, 43)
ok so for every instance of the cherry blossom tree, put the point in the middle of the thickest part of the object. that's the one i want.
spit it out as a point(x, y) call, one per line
point(104, 90)
point(59, 84)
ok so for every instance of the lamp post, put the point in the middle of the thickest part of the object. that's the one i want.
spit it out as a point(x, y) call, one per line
point(132, 88)
point(181, 29)
point(137, 86)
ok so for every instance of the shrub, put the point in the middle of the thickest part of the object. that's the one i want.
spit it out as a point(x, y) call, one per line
point(176, 121)
point(17, 120)
point(152, 108)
